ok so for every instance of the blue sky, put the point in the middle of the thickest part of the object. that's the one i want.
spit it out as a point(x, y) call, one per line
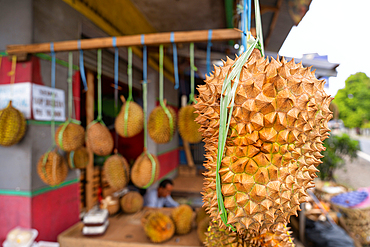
point(339, 29)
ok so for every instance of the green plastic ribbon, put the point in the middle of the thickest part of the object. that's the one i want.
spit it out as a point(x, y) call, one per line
point(228, 101)
point(145, 109)
point(71, 159)
point(70, 101)
point(130, 98)
point(163, 105)
point(192, 69)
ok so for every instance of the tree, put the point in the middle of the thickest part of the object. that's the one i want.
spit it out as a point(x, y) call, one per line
point(354, 101)
point(337, 148)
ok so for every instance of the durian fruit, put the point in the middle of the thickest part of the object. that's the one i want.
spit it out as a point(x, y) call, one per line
point(78, 158)
point(202, 229)
point(117, 171)
point(132, 202)
point(135, 119)
point(200, 215)
point(159, 125)
point(219, 236)
point(278, 125)
point(182, 216)
point(71, 138)
point(100, 139)
point(187, 126)
point(12, 125)
point(53, 169)
point(141, 171)
point(158, 227)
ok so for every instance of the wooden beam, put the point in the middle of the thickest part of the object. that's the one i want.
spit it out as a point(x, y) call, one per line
point(125, 41)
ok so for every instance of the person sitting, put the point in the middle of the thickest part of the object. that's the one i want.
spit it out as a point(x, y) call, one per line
point(161, 196)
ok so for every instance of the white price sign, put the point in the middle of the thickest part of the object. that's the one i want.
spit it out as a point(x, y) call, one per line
point(20, 94)
point(42, 103)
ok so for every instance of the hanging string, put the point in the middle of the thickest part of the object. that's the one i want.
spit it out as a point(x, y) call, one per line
point(175, 65)
point(259, 26)
point(145, 106)
point(249, 14)
point(209, 45)
point(129, 98)
point(192, 69)
point(82, 68)
point(98, 76)
point(52, 93)
point(116, 63)
point(164, 107)
point(244, 24)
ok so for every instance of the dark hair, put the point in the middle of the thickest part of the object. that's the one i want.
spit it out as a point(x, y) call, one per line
point(164, 183)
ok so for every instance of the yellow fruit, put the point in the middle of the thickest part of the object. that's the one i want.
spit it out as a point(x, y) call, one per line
point(12, 126)
point(116, 171)
point(159, 227)
point(219, 237)
point(78, 158)
point(135, 120)
point(141, 172)
point(188, 128)
point(159, 125)
point(132, 202)
point(52, 170)
point(182, 216)
point(71, 138)
point(202, 229)
point(273, 145)
point(100, 139)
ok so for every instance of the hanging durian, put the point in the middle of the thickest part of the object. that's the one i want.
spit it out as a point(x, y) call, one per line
point(188, 128)
point(142, 170)
point(78, 158)
point(159, 127)
point(70, 136)
point(100, 139)
point(116, 171)
point(135, 119)
point(52, 168)
point(278, 124)
point(12, 125)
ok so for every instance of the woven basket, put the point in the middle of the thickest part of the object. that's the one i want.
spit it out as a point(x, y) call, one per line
point(358, 222)
point(52, 168)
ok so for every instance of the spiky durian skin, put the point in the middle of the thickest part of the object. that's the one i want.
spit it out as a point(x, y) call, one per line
point(141, 171)
point(159, 128)
point(72, 138)
point(278, 124)
point(188, 128)
point(135, 120)
point(12, 125)
point(132, 202)
point(219, 236)
point(116, 170)
point(159, 227)
point(182, 216)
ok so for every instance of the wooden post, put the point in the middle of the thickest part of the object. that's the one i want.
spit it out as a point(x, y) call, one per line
point(89, 118)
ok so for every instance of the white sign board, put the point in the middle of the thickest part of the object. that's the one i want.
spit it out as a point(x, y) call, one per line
point(42, 103)
point(20, 94)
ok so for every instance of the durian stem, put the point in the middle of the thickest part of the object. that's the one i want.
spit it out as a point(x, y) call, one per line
point(145, 99)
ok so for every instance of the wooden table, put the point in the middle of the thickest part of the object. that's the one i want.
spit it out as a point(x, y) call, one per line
point(124, 230)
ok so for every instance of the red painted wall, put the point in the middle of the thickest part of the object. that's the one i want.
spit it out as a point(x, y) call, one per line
point(168, 162)
point(14, 211)
point(55, 211)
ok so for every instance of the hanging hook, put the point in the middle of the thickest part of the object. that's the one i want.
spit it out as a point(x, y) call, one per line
point(175, 64)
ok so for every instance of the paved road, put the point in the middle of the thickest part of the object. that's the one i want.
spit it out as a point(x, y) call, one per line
point(365, 145)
